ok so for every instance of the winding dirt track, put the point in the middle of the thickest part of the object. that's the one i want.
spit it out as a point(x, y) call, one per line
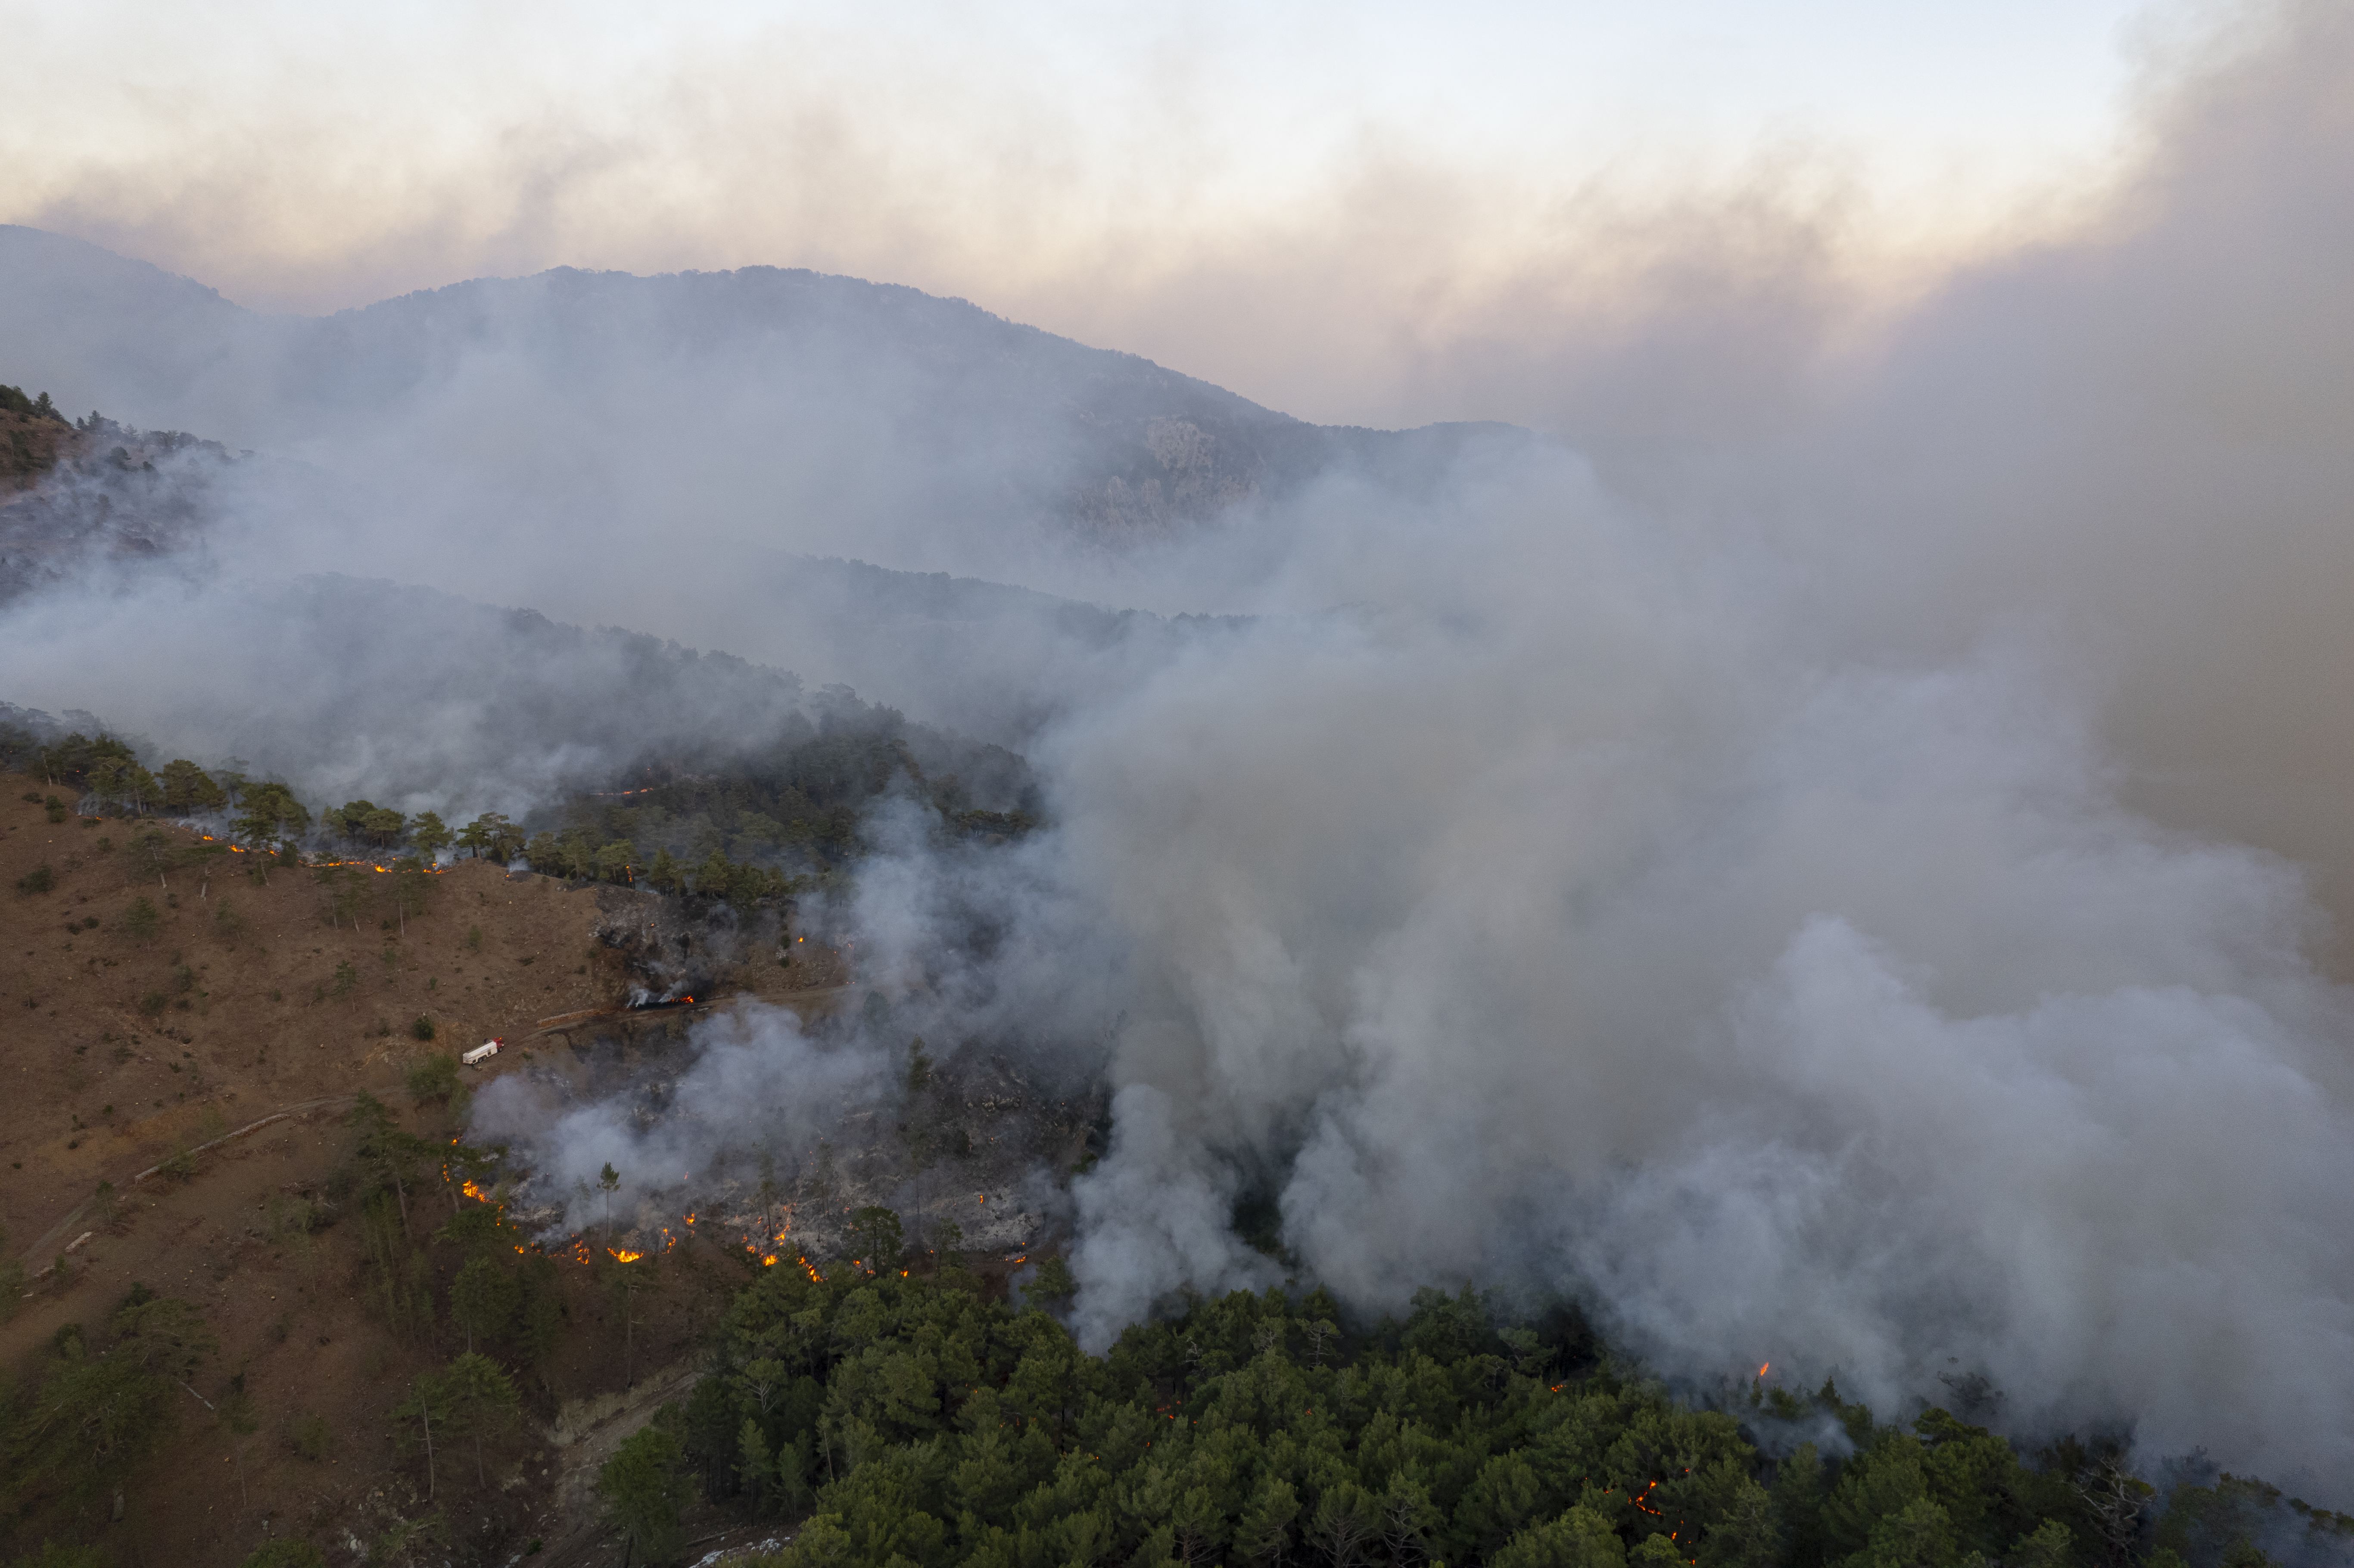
point(73, 1215)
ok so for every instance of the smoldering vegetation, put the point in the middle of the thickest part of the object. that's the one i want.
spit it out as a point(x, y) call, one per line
point(1835, 890)
point(772, 1134)
point(432, 702)
point(111, 505)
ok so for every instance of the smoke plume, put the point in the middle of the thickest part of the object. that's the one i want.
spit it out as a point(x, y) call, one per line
point(1840, 874)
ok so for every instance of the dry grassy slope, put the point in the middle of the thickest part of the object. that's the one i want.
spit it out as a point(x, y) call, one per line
point(95, 1089)
point(98, 1090)
point(29, 447)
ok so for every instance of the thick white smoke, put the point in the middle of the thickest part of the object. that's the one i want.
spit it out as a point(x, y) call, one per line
point(1562, 923)
point(756, 1082)
point(1716, 886)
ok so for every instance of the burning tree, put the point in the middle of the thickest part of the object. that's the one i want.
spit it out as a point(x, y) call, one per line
point(613, 859)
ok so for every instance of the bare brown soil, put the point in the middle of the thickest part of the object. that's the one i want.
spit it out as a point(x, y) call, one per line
point(118, 1050)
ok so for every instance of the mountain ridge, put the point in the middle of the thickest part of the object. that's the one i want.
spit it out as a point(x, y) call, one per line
point(967, 412)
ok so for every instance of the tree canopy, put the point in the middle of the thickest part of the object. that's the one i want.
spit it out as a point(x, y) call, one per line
point(916, 1420)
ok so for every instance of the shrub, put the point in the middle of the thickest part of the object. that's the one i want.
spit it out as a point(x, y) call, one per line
point(310, 1436)
point(423, 1028)
point(152, 1003)
point(40, 879)
point(139, 922)
point(435, 1078)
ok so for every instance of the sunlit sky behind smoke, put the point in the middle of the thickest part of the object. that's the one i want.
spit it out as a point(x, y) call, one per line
point(1300, 202)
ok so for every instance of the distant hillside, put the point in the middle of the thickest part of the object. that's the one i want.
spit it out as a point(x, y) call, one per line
point(423, 699)
point(91, 496)
point(100, 505)
point(857, 390)
point(32, 435)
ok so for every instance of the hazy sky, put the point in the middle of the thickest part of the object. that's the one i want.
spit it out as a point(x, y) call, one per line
point(1250, 193)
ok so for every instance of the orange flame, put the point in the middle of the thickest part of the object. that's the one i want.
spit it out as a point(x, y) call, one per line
point(625, 1255)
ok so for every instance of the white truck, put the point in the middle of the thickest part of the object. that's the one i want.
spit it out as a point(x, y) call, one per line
point(483, 1053)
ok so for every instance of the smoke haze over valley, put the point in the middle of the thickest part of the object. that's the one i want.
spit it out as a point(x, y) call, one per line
point(1831, 843)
